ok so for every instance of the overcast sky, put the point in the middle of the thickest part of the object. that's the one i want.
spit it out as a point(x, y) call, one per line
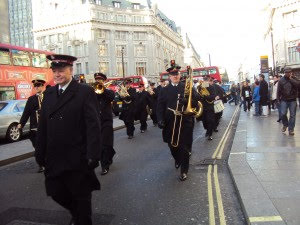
point(231, 31)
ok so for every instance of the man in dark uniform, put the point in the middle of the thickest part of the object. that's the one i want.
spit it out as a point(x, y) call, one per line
point(222, 95)
point(170, 107)
point(128, 108)
point(32, 111)
point(107, 132)
point(154, 96)
point(142, 102)
point(68, 141)
point(207, 98)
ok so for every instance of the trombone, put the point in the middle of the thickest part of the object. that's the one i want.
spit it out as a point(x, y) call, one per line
point(100, 86)
point(123, 92)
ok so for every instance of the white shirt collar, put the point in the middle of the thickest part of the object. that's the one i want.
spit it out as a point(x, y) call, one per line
point(65, 86)
point(175, 85)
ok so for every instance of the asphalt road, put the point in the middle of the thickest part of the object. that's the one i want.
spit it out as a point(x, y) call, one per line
point(141, 188)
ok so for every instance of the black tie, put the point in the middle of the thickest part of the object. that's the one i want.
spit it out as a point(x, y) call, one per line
point(60, 91)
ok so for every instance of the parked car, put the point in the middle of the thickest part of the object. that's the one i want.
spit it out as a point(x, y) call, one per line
point(10, 114)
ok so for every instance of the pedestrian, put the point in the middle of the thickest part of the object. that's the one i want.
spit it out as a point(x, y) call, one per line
point(32, 110)
point(105, 97)
point(154, 95)
point(256, 99)
point(246, 96)
point(128, 96)
point(263, 93)
point(177, 126)
point(233, 94)
point(287, 95)
point(143, 102)
point(222, 96)
point(68, 141)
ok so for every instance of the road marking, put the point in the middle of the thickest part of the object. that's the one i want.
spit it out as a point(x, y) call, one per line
point(265, 219)
point(219, 197)
point(237, 153)
point(210, 198)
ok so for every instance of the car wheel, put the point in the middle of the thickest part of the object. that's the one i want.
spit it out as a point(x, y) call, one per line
point(13, 133)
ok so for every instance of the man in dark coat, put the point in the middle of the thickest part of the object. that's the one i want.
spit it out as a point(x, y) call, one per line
point(68, 141)
point(263, 93)
point(246, 96)
point(170, 107)
point(287, 95)
point(143, 102)
point(207, 98)
point(128, 108)
point(32, 110)
point(154, 95)
point(222, 95)
point(107, 133)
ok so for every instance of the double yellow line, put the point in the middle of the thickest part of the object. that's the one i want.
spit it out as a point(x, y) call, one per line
point(217, 155)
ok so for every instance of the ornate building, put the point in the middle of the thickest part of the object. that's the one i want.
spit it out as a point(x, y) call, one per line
point(103, 32)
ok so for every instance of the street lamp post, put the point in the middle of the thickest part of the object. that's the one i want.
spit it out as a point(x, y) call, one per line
point(122, 53)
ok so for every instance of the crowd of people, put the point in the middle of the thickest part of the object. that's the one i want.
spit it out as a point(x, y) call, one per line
point(279, 94)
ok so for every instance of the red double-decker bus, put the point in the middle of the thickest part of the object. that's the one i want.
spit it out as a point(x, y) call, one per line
point(198, 73)
point(18, 67)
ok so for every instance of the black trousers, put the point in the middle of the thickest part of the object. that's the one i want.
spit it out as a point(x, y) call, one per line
point(77, 200)
point(32, 138)
point(153, 117)
point(108, 153)
point(209, 121)
point(129, 127)
point(181, 156)
point(217, 119)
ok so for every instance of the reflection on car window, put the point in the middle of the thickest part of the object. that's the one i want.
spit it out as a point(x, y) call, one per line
point(2, 105)
point(21, 106)
point(16, 109)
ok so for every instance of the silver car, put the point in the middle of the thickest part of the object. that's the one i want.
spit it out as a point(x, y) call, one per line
point(10, 115)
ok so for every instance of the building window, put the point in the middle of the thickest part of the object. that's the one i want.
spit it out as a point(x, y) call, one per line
point(69, 50)
point(120, 18)
point(119, 50)
point(103, 67)
point(103, 51)
point(294, 55)
point(120, 69)
point(140, 50)
point(138, 19)
point(60, 37)
point(139, 35)
point(98, 2)
point(136, 6)
point(101, 34)
point(78, 68)
point(78, 50)
point(120, 35)
point(117, 4)
point(83, 1)
point(85, 49)
point(87, 68)
point(53, 38)
point(141, 68)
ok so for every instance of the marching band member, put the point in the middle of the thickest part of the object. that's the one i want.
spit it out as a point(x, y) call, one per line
point(32, 111)
point(68, 141)
point(128, 97)
point(142, 102)
point(107, 133)
point(153, 92)
point(222, 95)
point(208, 96)
point(170, 107)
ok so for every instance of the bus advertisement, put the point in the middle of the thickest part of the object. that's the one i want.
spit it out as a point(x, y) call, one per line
point(198, 73)
point(18, 67)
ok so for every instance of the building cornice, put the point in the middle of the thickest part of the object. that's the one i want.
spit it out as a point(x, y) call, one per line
point(61, 26)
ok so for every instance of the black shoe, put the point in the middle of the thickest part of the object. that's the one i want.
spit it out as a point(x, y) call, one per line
point(104, 171)
point(209, 138)
point(130, 137)
point(142, 131)
point(177, 165)
point(216, 130)
point(41, 169)
point(279, 120)
point(183, 177)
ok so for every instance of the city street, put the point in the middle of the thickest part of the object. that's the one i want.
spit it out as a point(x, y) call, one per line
point(142, 186)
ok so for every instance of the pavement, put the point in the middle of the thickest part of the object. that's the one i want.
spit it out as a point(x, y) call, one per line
point(265, 166)
point(13, 152)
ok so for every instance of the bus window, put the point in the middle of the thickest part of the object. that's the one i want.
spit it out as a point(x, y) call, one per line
point(212, 71)
point(196, 73)
point(20, 58)
point(39, 60)
point(136, 80)
point(4, 56)
point(203, 72)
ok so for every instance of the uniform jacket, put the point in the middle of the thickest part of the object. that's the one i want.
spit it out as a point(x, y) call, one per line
point(32, 105)
point(128, 110)
point(106, 118)
point(143, 100)
point(69, 129)
point(168, 99)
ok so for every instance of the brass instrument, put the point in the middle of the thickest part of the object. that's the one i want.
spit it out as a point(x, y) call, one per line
point(100, 86)
point(123, 92)
point(203, 92)
point(38, 111)
point(151, 92)
point(188, 94)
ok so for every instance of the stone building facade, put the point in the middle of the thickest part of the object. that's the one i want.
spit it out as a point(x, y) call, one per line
point(99, 33)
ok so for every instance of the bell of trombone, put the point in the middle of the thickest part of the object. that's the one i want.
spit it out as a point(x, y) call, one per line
point(100, 86)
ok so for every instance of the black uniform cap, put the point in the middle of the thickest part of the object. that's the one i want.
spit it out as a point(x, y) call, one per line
point(61, 60)
point(174, 69)
point(37, 81)
point(100, 76)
